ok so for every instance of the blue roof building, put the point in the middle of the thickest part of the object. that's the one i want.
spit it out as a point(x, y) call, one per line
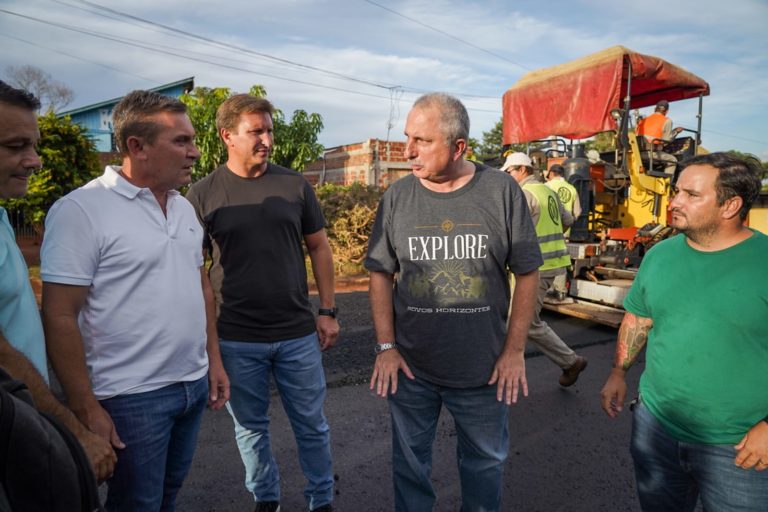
point(97, 118)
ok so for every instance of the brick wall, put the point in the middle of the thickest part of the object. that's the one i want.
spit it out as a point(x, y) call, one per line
point(372, 162)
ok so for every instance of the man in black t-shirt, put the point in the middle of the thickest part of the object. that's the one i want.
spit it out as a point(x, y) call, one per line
point(256, 215)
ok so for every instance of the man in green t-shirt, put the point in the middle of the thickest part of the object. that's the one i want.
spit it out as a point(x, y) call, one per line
point(700, 302)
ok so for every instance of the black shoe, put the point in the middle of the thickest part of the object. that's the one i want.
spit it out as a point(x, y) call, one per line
point(571, 375)
point(267, 506)
point(323, 508)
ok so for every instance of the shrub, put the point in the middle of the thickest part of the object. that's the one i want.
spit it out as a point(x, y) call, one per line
point(349, 211)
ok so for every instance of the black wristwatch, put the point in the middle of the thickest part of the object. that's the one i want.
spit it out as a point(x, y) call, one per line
point(331, 312)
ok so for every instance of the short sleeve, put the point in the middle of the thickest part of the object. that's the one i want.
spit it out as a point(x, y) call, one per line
point(70, 251)
point(381, 255)
point(312, 219)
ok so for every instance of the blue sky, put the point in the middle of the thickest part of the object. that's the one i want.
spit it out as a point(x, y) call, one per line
point(361, 63)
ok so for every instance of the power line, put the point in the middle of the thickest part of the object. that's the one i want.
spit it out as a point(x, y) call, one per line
point(175, 54)
point(106, 66)
point(447, 34)
point(706, 130)
point(228, 46)
point(238, 48)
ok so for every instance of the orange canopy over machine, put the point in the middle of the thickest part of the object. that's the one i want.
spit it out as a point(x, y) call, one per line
point(575, 99)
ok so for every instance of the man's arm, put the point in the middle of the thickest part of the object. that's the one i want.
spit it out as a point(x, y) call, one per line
point(61, 306)
point(509, 370)
point(633, 336)
point(218, 382)
point(389, 362)
point(100, 453)
point(322, 267)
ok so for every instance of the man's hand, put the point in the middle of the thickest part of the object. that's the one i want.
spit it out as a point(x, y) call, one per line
point(509, 375)
point(384, 377)
point(327, 331)
point(99, 452)
point(218, 385)
point(752, 450)
point(100, 423)
point(614, 392)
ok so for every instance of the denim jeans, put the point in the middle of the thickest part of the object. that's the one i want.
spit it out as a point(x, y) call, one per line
point(482, 443)
point(159, 429)
point(297, 368)
point(671, 475)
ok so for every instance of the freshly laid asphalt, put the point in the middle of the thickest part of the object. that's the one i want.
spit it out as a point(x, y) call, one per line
point(566, 454)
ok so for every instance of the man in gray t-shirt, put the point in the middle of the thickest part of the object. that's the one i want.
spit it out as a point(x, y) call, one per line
point(444, 239)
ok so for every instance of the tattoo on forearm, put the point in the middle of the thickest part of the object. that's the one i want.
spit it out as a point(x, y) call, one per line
point(633, 335)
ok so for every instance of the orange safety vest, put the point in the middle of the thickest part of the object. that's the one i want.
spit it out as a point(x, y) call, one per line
point(652, 126)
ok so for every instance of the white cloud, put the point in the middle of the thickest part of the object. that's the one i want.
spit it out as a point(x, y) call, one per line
point(724, 43)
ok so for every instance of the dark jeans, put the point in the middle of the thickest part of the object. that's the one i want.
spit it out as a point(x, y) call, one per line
point(672, 475)
point(482, 443)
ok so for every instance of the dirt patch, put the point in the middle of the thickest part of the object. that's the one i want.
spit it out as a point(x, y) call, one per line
point(345, 284)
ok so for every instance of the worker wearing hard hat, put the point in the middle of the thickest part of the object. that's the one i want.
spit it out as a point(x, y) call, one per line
point(549, 218)
point(657, 126)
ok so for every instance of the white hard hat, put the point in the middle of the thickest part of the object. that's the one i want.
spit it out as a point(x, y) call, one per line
point(516, 160)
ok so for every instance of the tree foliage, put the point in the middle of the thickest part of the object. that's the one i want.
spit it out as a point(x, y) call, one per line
point(295, 141)
point(53, 95)
point(491, 147)
point(202, 104)
point(69, 161)
point(605, 141)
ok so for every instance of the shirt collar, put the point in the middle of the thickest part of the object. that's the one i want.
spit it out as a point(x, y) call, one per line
point(115, 181)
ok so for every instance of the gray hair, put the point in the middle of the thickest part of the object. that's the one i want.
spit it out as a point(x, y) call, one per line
point(130, 118)
point(454, 120)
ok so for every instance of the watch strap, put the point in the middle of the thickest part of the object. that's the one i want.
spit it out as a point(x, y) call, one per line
point(331, 312)
point(383, 347)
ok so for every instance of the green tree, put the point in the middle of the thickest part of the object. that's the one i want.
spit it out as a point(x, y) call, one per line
point(69, 161)
point(491, 146)
point(605, 141)
point(295, 140)
point(202, 104)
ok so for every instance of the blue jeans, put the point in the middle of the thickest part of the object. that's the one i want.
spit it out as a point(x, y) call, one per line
point(482, 446)
point(159, 429)
point(297, 367)
point(671, 475)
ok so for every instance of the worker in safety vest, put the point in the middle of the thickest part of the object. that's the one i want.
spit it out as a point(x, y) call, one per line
point(550, 219)
point(657, 126)
point(566, 192)
point(569, 196)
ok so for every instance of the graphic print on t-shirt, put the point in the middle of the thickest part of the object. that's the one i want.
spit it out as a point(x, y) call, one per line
point(444, 256)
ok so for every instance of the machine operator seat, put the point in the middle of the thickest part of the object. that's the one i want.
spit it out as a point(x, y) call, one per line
point(658, 162)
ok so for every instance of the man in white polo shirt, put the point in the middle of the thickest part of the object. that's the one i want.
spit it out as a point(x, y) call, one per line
point(127, 308)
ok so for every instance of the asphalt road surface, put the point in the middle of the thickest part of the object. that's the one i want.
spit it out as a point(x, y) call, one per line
point(566, 454)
